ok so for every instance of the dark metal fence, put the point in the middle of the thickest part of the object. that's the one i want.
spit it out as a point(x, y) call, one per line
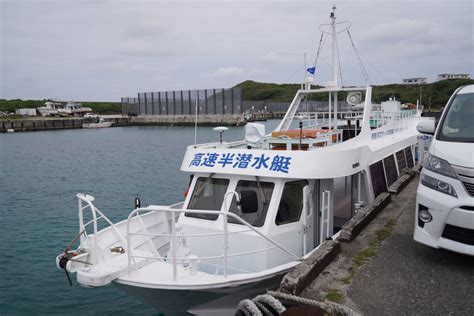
point(210, 101)
point(130, 106)
point(183, 102)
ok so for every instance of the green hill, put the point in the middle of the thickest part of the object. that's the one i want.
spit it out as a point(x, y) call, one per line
point(437, 93)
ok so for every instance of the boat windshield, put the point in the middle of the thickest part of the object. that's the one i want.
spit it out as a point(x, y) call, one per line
point(264, 192)
point(208, 195)
point(457, 125)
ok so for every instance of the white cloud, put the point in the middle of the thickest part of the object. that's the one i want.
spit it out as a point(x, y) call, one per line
point(278, 58)
point(92, 49)
point(225, 72)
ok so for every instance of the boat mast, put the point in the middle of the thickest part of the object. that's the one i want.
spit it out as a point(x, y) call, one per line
point(334, 48)
point(335, 68)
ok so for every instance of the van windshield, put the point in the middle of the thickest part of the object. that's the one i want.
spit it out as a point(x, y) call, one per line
point(457, 125)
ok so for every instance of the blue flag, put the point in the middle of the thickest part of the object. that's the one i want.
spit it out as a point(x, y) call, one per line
point(311, 70)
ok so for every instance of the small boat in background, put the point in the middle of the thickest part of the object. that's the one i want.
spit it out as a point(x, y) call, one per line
point(49, 108)
point(100, 124)
point(74, 108)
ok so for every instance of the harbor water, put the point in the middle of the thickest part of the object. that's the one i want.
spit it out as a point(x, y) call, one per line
point(40, 174)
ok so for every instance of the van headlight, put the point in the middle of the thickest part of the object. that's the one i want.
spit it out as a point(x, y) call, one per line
point(437, 185)
point(438, 165)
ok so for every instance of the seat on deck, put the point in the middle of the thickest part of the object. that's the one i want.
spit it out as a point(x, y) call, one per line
point(306, 133)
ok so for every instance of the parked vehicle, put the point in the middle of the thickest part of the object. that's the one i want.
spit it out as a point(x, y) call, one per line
point(445, 196)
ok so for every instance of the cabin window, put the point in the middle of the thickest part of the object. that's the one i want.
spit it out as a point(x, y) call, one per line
point(377, 176)
point(390, 169)
point(208, 195)
point(264, 191)
point(409, 157)
point(402, 164)
point(291, 203)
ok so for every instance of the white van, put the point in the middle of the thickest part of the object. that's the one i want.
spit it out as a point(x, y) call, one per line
point(445, 195)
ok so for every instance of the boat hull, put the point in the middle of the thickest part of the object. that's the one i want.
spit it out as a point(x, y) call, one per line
point(97, 125)
point(210, 301)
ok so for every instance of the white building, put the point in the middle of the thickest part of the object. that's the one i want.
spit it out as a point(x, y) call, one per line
point(414, 81)
point(25, 111)
point(452, 76)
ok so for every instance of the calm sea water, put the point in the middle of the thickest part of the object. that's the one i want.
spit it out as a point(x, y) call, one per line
point(40, 173)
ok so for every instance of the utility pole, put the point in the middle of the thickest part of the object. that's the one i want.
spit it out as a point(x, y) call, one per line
point(421, 95)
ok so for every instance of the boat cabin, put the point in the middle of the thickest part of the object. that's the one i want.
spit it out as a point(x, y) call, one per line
point(295, 213)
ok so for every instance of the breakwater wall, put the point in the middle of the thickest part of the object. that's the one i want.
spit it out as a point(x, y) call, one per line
point(31, 124)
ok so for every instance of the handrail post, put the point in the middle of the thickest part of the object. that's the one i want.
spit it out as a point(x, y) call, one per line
point(225, 220)
point(328, 210)
point(129, 247)
point(173, 245)
point(226, 245)
point(94, 217)
point(81, 218)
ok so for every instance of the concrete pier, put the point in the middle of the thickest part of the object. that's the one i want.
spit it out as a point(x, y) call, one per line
point(27, 125)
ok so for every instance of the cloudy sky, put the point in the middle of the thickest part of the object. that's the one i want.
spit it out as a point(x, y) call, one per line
point(102, 50)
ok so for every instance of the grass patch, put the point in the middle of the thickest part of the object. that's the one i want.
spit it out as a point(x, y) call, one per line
point(12, 117)
point(347, 280)
point(335, 296)
point(364, 256)
point(384, 232)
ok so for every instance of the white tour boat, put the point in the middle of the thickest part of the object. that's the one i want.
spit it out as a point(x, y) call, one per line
point(255, 209)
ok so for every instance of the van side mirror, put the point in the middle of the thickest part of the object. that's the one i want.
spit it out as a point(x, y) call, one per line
point(426, 127)
point(248, 201)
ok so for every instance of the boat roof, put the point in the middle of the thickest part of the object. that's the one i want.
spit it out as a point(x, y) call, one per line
point(467, 89)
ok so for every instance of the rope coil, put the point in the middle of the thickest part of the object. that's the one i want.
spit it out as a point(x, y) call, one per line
point(270, 305)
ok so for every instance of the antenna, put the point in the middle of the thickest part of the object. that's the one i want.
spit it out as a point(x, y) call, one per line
point(335, 59)
point(221, 130)
point(195, 122)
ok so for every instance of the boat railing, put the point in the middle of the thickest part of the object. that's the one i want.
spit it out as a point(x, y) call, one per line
point(84, 203)
point(317, 119)
point(223, 258)
point(381, 118)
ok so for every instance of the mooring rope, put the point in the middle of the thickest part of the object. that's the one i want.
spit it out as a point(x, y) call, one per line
point(68, 247)
point(331, 308)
